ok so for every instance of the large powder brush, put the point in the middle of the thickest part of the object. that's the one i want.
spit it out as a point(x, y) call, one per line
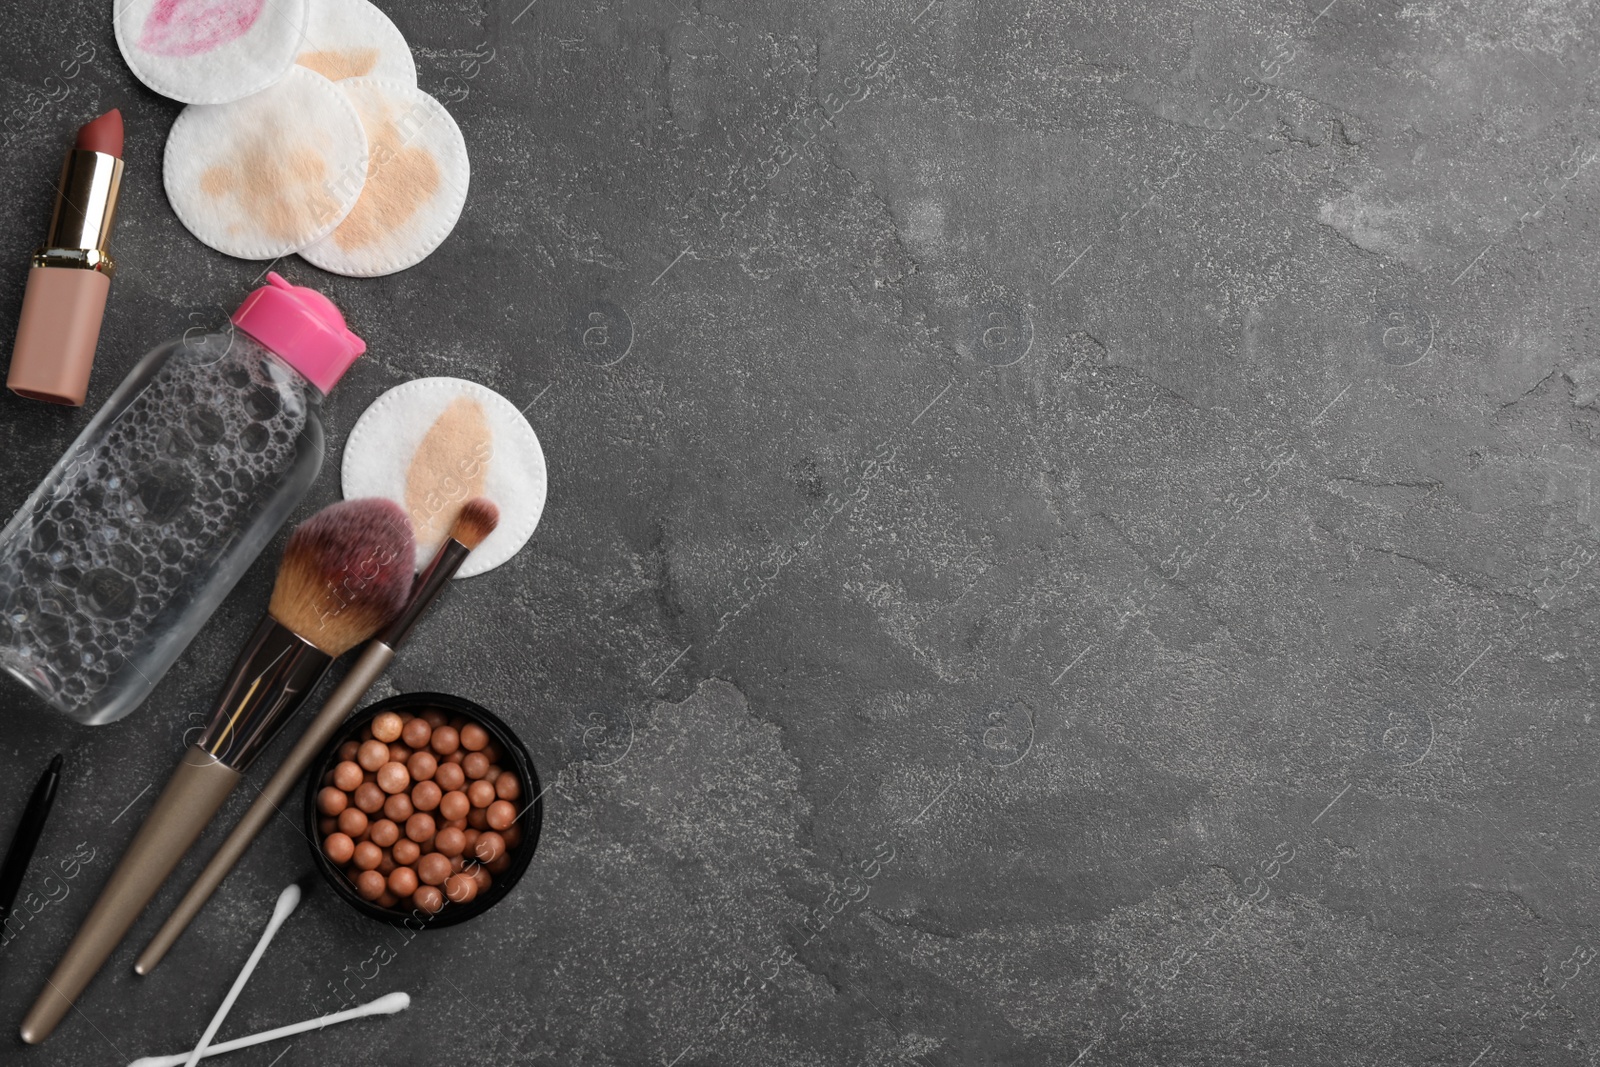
point(346, 574)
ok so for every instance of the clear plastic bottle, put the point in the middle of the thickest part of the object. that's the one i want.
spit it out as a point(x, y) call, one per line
point(166, 498)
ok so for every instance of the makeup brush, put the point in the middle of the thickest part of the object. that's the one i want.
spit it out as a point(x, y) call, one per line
point(476, 522)
point(344, 575)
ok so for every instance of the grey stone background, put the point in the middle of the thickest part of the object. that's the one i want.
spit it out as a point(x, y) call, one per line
point(1085, 556)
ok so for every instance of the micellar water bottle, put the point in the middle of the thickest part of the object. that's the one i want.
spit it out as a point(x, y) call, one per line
point(168, 495)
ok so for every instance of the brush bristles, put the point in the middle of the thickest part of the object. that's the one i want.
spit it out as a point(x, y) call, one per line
point(346, 573)
point(479, 516)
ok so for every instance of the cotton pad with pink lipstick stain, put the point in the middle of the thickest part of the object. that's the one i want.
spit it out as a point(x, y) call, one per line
point(264, 176)
point(354, 39)
point(416, 183)
point(209, 51)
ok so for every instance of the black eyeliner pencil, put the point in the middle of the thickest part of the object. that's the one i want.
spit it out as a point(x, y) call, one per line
point(26, 839)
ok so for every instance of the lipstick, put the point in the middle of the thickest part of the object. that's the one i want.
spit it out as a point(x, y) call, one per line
point(71, 274)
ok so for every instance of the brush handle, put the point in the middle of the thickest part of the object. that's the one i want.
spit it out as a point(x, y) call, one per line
point(274, 673)
point(192, 796)
point(366, 670)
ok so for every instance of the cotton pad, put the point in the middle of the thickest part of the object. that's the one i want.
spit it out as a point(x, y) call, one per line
point(353, 39)
point(209, 51)
point(431, 445)
point(267, 175)
point(416, 183)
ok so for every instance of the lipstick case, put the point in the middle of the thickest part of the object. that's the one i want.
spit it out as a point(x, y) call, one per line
point(68, 284)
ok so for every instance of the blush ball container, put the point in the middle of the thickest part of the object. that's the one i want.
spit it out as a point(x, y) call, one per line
point(515, 761)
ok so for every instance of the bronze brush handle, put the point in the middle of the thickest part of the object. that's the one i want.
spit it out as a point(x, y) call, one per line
point(185, 807)
point(363, 673)
point(274, 674)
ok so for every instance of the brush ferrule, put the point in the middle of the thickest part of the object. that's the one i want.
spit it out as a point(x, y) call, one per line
point(274, 674)
point(426, 589)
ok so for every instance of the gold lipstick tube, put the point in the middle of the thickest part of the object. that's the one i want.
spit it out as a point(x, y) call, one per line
point(68, 284)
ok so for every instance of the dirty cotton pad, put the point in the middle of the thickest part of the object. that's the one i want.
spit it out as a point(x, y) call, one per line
point(431, 445)
point(267, 175)
point(209, 51)
point(416, 183)
point(353, 39)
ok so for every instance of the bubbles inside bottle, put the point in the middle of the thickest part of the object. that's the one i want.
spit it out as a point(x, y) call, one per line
point(124, 533)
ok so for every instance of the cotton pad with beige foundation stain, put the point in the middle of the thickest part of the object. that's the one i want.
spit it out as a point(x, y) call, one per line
point(416, 183)
point(355, 39)
point(209, 51)
point(267, 175)
point(431, 445)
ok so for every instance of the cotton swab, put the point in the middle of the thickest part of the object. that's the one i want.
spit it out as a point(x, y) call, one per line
point(389, 1004)
point(288, 900)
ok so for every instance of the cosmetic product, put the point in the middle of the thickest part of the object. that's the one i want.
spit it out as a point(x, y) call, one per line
point(475, 522)
point(71, 273)
point(20, 852)
point(416, 184)
point(288, 900)
point(344, 575)
point(265, 176)
point(460, 833)
point(389, 1004)
point(354, 39)
point(431, 444)
point(209, 52)
point(169, 494)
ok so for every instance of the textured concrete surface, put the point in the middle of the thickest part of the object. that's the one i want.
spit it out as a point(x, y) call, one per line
point(1084, 554)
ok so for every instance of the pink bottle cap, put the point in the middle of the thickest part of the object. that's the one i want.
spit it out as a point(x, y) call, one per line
point(302, 326)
